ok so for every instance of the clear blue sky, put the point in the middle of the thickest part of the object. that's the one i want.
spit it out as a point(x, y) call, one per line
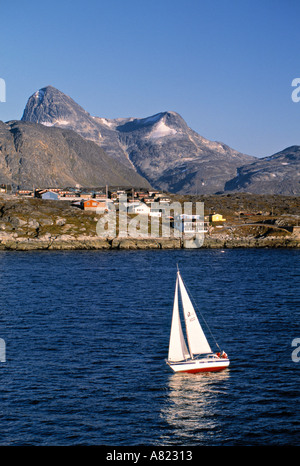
point(225, 66)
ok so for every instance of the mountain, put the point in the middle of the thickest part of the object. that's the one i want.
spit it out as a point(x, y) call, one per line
point(51, 107)
point(161, 148)
point(277, 174)
point(175, 158)
point(37, 155)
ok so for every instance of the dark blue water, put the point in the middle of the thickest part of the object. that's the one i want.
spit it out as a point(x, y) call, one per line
point(87, 333)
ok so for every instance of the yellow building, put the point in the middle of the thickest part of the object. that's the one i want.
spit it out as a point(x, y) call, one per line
point(216, 218)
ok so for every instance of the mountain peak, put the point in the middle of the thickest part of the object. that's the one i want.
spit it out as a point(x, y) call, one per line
point(50, 88)
point(49, 106)
point(47, 92)
point(159, 125)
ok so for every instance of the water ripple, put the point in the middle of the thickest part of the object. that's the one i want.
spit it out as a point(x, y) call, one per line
point(87, 334)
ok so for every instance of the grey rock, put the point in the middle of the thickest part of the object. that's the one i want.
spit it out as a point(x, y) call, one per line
point(46, 237)
point(161, 148)
point(60, 221)
point(32, 155)
point(17, 222)
point(33, 224)
point(277, 174)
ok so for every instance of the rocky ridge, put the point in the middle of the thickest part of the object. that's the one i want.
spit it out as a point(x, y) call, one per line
point(161, 148)
point(277, 174)
point(36, 155)
point(169, 154)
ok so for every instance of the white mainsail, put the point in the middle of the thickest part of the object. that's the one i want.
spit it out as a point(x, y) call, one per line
point(177, 347)
point(197, 341)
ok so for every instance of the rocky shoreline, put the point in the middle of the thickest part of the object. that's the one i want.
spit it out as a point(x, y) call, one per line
point(96, 243)
point(34, 224)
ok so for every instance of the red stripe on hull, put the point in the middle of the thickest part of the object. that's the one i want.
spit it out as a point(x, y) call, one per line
point(208, 369)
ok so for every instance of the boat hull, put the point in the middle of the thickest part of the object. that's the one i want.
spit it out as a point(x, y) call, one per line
point(199, 365)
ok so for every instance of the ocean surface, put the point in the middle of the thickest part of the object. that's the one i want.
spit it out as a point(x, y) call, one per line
point(86, 336)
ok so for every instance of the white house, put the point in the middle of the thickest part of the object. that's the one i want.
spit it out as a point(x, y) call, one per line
point(156, 211)
point(138, 208)
point(190, 224)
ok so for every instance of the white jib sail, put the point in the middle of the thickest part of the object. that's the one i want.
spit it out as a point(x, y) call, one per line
point(177, 347)
point(197, 341)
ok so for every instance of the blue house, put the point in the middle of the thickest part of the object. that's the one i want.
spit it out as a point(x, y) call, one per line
point(50, 195)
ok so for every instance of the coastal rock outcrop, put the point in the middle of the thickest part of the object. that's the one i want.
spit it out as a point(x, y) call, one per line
point(28, 224)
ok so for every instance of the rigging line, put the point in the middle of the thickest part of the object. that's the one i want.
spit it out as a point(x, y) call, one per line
point(195, 304)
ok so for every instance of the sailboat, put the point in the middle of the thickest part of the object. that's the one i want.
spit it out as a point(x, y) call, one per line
point(196, 356)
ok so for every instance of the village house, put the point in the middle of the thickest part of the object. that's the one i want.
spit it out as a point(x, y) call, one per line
point(153, 193)
point(67, 196)
point(93, 204)
point(86, 195)
point(164, 199)
point(148, 199)
point(138, 208)
point(100, 195)
point(140, 194)
point(156, 211)
point(64, 193)
point(50, 195)
point(158, 195)
point(190, 224)
point(97, 205)
point(216, 218)
point(25, 192)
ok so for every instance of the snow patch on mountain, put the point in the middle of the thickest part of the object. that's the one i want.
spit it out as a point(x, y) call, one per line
point(161, 130)
point(105, 121)
point(55, 122)
point(39, 95)
point(151, 119)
